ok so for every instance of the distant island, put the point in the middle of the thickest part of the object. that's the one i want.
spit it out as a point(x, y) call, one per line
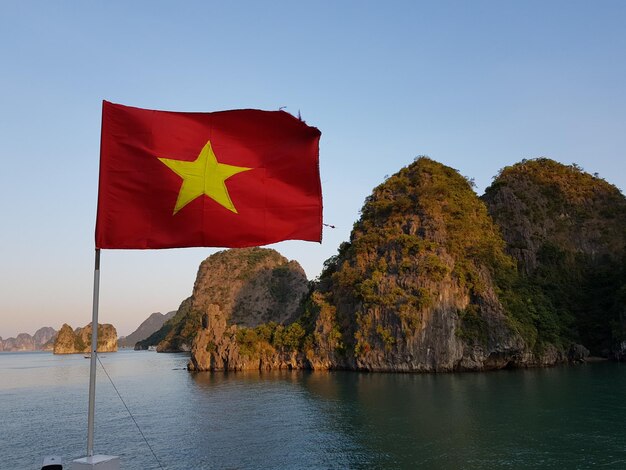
point(75, 341)
point(70, 341)
point(42, 340)
point(151, 324)
point(433, 278)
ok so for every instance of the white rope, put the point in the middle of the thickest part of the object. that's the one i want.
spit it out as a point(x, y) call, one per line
point(129, 413)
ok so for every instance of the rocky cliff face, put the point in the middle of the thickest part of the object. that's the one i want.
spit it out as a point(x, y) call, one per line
point(415, 288)
point(40, 341)
point(222, 346)
point(567, 230)
point(251, 286)
point(239, 288)
point(428, 283)
point(44, 338)
point(71, 341)
point(540, 204)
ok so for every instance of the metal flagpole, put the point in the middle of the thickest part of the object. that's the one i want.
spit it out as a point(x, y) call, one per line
point(94, 352)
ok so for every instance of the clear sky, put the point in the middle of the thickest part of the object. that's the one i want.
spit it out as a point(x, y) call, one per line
point(476, 85)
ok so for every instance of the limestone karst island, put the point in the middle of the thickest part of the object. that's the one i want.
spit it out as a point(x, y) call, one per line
point(434, 278)
point(69, 341)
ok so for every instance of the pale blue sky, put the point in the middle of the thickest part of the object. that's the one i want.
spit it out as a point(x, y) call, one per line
point(476, 85)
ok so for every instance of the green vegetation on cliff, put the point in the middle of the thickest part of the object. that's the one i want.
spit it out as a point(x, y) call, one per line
point(424, 243)
point(280, 338)
point(567, 230)
point(434, 278)
point(250, 286)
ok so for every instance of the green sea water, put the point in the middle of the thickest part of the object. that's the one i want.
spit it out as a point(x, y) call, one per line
point(570, 417)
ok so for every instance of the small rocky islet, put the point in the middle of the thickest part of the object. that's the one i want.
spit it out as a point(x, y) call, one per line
point(434, 278)
point(70, 341)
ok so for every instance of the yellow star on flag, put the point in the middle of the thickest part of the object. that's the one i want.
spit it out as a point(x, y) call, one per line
point(205, 175)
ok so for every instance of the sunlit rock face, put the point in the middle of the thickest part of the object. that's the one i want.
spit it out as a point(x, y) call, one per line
point(414, 289)
point(435, 278)
point(235, 290)
point(70, 341)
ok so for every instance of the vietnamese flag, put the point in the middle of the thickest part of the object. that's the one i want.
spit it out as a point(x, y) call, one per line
point(224, 179)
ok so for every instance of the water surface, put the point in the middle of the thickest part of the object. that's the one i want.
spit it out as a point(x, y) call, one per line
point(561, 418)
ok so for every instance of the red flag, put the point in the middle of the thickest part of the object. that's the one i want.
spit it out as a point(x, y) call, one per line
point(225, 179)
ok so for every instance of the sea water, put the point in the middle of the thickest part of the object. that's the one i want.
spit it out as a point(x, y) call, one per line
point(562, 418)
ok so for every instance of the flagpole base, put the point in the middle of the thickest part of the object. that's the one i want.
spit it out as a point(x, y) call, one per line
point(97, 462)
point(52, 462)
